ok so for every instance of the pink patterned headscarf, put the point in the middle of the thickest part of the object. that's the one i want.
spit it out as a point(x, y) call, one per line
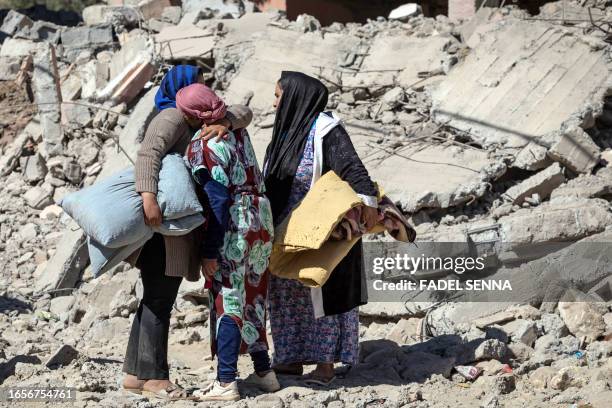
point(201, 102)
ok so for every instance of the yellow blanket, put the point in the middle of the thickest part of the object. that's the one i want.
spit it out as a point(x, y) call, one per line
point(302, 249)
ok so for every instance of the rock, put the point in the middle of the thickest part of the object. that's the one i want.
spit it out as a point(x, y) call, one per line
point(583, 319)
point(28, 232)
point(497, 385)
point(576, 150)
point(542, 183)
point(51, 212)
point(62, 356)
point(266, 401)
point(64, 269)
point(540, 378)
point(598, 350)
point(61, 305)
point(551, 323)
point(75, 116)
point(73, 172)
point(195, 317)
point(39, 197)
point(406, 331)
point(35, 168)
point(393, 98)
point(522, 330)
point(123, 303)
point(404, 12)
point(491, 367)
point(490, 349)
point(15, 22)
point(307, 23)
point(418, 366)
point(532, 157)
point(569, 377)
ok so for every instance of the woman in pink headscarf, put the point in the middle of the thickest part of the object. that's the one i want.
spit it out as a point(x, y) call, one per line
point(237, 246)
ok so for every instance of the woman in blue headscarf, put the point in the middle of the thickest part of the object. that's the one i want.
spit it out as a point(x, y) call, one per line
point(177, 78)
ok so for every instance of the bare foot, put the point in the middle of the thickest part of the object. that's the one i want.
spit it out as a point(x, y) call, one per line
point(156, 385)
point(131, 382)
point(324, 371)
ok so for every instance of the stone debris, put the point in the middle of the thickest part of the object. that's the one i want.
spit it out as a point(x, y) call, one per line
point(491, 128)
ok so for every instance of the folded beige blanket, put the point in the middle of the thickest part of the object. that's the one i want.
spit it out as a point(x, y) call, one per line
point(321, 230)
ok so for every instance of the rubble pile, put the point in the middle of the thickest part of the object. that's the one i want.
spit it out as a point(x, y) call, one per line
point(500, 125)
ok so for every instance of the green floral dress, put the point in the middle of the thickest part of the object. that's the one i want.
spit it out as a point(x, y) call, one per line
point(239, 288)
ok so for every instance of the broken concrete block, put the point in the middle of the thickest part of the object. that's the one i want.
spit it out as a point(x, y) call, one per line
point(44, 31)
point(393, 98)
point(71, 87)
point(551, 323)
point(15, 47)
point(75, 115)
point(73, 172)
point(15, 22)
point(115, 15)
point(47, 93)
point(62, 356)
point(555, 220)
point(583, 319)
point(235, 8)
point(94, 76)
point(61, 305)
point(64, 269)
point(133, 84)
point(521, 330)
point(39, 197)
point(576, 150)
point(532, 157)
point(505, 91)
point(404, 12)
point(51, 212)
point(542, 183)
point(587, 185)
point(406, 331)
point(77, 39)
point(35, 168)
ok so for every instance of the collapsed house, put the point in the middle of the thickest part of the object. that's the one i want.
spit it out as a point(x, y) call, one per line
point(497, 126)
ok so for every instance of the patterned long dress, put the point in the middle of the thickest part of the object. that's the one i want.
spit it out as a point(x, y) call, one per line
point(239, 288)
point(298, 337)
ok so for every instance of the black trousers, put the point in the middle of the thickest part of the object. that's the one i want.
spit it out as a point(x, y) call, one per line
point(147, 351)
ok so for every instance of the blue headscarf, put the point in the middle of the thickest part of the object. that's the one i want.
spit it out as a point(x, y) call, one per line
point(178, 77)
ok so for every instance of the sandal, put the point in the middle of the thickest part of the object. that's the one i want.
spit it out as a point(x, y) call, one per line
point(288, 369)
point(312, 379)
point(171, 393)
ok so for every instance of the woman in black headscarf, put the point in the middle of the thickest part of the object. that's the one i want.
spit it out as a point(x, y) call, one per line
point(306, 143)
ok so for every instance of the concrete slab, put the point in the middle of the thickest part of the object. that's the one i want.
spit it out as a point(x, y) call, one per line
point(453, 174)
point(278, 50)
point(395, 60)
point(184, 42)
point(542, 183)
point(521, 81)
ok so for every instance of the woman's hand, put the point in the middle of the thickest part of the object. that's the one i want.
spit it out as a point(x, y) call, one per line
point(218, 129)
point(152, 212)
point(369, 217)
point(209, 267)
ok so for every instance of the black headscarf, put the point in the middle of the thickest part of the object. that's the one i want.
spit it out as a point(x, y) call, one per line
point(303, 99)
